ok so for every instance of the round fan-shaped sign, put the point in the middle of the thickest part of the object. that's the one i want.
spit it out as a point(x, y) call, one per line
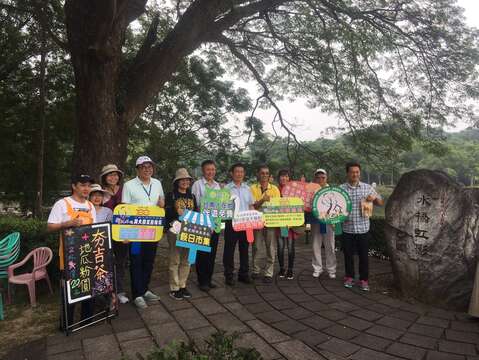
point(331, 205)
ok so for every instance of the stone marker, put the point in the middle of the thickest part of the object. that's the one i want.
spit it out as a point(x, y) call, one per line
point(432, 226)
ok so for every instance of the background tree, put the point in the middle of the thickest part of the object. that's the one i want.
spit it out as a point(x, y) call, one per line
point(409, 61)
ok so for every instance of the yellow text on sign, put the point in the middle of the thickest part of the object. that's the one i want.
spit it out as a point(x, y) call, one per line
point(283, 212)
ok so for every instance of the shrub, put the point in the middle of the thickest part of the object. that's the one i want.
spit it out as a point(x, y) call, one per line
point(218, 347)
point(377, 240)
point(33, 234)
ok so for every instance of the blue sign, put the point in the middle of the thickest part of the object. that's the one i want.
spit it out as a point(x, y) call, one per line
point(195, 233)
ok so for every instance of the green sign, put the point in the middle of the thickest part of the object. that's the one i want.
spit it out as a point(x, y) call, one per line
point(218, 204)
point(331, 205)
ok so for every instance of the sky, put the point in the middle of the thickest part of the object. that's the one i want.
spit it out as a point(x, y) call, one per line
point(310, 124)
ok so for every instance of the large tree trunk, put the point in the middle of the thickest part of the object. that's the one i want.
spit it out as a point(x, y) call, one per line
point(42, 120)
point(95, 38)
point(106, 105)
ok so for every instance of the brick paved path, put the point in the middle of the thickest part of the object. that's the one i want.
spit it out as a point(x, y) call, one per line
point(304, 318)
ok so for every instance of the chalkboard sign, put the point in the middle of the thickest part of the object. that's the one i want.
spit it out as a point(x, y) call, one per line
point(88, 261)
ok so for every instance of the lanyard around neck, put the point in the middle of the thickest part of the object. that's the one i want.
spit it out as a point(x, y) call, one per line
point(147, 192)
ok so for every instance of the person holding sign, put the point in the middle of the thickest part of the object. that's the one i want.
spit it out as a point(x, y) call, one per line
point(205, 261)
point(73, 211)
point(143, 190)
point(245, 200)
point(356, 227)
point(179, 200)
point(286, 241)
point(323, 234)
point(264, 240)
point(112, 182)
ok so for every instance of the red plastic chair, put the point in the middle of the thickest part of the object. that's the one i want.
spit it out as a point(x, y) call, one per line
point(41, 258)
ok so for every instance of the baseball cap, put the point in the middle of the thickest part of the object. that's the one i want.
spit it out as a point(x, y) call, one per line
point(321, 171)
point(82, 178)
point(143, 159)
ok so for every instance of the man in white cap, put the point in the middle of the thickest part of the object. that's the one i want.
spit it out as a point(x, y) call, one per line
point(143, 190)
point(323, 234)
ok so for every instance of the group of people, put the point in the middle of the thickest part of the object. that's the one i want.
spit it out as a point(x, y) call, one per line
point(93, 203)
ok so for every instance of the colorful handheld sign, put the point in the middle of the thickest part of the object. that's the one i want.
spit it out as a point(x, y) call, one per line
point(283, 212)
point(248, 221)
point(195, 233)
point(218, 204)
point(88, 262)
point(331, 205)
point(138, 223)
point(303, 190)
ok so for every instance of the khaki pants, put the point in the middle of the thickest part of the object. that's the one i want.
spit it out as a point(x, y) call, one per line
point(179, 268)
point(474, 304)
point(328, 241)
point(264, 249)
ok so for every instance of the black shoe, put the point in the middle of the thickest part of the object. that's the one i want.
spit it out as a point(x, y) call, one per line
point(185, 293)
point(204, 288)
point(281, 273)
point(230, 282)
point(245, 280)
point(268, 280)
point(290, 275)
point(255, 276)
point(177, 295)
point(212, 286)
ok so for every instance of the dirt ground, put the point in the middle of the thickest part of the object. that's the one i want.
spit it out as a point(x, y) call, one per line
point(24, 324)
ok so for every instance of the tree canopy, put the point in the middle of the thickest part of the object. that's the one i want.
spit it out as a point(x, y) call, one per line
point(125, 76)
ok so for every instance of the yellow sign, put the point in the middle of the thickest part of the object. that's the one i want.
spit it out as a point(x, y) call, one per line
point(137, 223)
point(283, 212)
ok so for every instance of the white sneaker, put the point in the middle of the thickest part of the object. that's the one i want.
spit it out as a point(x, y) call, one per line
point(122, 298)
point(316, 274)
point(332, 276)
point(140, 303)
point(149, 296)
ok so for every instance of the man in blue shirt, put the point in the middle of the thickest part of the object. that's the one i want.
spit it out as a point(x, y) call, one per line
point(143, 190)
point(356, 227)
point(243, 193)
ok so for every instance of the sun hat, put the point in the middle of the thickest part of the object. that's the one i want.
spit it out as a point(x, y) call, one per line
point(97, 188)
point(143, 159)
point(320, 171)
point(110, 168)
point(181, 173)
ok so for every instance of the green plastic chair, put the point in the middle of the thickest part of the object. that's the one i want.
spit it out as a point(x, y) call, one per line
point(9, 252)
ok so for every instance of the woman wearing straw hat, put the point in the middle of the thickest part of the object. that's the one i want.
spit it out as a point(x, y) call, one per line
point(179, 200)
point(112, 182)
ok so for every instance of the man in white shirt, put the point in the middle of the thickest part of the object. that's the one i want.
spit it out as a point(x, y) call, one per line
point(72, 211)
point(205, 262)
point(143, 190)
point(323, 234)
